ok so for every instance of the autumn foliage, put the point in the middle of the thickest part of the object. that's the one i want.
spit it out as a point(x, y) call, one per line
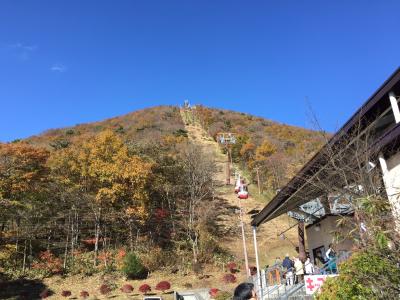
point(163, 286)
point(48, 262)
point(232, 267)
point(93, 193)
point(213, 292)
point(104, 289)
point(84, 294)
point(66, 293)
point(127, 288)
point(229, 278)
point(276, 150)
point(144, 288)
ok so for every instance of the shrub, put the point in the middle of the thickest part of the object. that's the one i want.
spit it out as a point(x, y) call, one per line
point(231, 267)
point(127, 288)
point(156, 258)
point(366, 275)
point(66, 293)
point(213, 292)
point(48, 264)
point(144, 288)
point(133, 267)
point(163, 286)
point(84, 294)
point(104, 289)
point(229, 278)
point(82, 264)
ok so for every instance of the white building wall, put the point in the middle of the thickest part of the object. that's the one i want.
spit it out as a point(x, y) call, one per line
point(391, 177)
point(325, 236)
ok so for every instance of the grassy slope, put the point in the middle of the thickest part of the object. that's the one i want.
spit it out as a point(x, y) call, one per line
point(270, 245)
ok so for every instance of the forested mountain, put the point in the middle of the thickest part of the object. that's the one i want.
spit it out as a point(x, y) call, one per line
point(77, 199)
point(277, 150)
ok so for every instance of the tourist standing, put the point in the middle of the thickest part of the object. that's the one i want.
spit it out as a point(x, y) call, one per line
point(299, 271)
point(308, 267)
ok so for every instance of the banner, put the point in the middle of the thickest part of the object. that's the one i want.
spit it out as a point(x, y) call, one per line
point(314, 282)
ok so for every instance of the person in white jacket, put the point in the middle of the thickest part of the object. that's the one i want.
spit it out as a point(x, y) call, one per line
point(308, 267)
point(299, 271)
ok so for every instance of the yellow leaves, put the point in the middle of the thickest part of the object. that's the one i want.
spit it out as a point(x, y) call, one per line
point(265, 150)
point(139, 213)
point(110, 194)
point(7, 252)
point(171, 140)
point(103, 165)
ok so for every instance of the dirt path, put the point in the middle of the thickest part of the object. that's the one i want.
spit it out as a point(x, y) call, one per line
point(270, 244)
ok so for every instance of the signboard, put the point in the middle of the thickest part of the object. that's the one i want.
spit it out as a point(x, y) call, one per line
point(296, 215)
point(314, 282)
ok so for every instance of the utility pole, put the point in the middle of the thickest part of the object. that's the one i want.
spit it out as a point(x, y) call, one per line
point(228, 167)
point(246, 260)
point(227, 139)
point(258, 181)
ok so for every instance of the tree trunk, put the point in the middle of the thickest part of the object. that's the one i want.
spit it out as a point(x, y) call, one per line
point(24, 261)
point(16, 246)
point(130, 236)
point(30, 252)
point(97, 234)
point(105, 245)
point(66, 251)
point(48, 241)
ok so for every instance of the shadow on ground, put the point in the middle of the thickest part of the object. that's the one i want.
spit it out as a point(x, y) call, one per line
point(21, 289)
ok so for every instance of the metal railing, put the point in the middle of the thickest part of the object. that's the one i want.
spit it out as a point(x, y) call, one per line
point(275, 283)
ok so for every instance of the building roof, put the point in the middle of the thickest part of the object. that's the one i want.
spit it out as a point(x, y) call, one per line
point(299, 190)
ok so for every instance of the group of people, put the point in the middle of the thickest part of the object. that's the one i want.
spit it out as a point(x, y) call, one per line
point(294, 269)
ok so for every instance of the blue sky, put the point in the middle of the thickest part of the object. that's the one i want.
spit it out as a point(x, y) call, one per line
point(69, 62)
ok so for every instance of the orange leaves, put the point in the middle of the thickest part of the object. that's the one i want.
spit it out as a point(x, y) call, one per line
point(265, 150)
point(22, 168)
point(48, 262)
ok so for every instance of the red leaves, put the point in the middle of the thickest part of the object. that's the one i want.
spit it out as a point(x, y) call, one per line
point(160, 213)
point(232, 267)
point(163, 286)
point(144, 288)
point(84, 294)
point(213, 292)
point(121, 253)
point(229, 278)
point(50, 263)
point(66, 293)
point(104, 289)
point(127, 288)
